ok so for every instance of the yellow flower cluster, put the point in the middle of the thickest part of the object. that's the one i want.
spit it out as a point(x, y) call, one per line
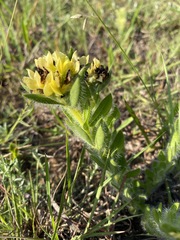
point(53, 75)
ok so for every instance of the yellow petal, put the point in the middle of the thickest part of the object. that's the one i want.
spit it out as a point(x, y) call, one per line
point(37, 78)
point(49, 58)
point(66, 67)
point(76, 67)
point(30, 73)
point(30, 83)
point(51, 86)
point(65, 88)
point(50, 66)
point(96, 62)
point(75, 56)
point(84, 60)
point(55, 88)
point(59, 56)
point(39, 62)
point(47, 90)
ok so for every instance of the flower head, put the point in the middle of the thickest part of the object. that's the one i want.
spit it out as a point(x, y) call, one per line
point(97, 72)
point(54, 74)
point(94, 65)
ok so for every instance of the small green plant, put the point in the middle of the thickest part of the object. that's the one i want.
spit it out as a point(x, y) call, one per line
point(76, 85)
point(18, 191)
point(164, 223)
point(166, 162)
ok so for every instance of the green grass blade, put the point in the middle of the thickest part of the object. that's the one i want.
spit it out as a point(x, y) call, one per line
point(119, 46)
point(153, 99)
point(97, 197)
point(137, 121)
point(68, 161)
point(80, 161)
point(144, 149)
point(170, 102)
point(4, 45)
point(60, 210)
point(24, 113)
point(48, 191)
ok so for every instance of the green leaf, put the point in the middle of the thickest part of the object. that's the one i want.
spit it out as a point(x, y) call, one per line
point(80, 93)
point(41, 99)
point(102, 110)
point(75, 92)
point(118, 142)
point(96, 158)
point(107, 134)
point(175, 207)
point(70, 53)
point(99, 138)
point(125, 123)
point(113, 115)
point(79, 132)
point(133, 173)
point(173, 146)
point(118, 156)
point(162, 156)
point(84, 95)
point(86, 115)
point(74, 115)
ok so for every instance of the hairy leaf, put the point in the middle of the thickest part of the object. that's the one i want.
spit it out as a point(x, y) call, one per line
point(41, 99)
point(102, 110)
point(99, 138)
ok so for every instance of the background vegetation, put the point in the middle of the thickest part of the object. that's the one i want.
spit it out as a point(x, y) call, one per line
point(37, 200)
